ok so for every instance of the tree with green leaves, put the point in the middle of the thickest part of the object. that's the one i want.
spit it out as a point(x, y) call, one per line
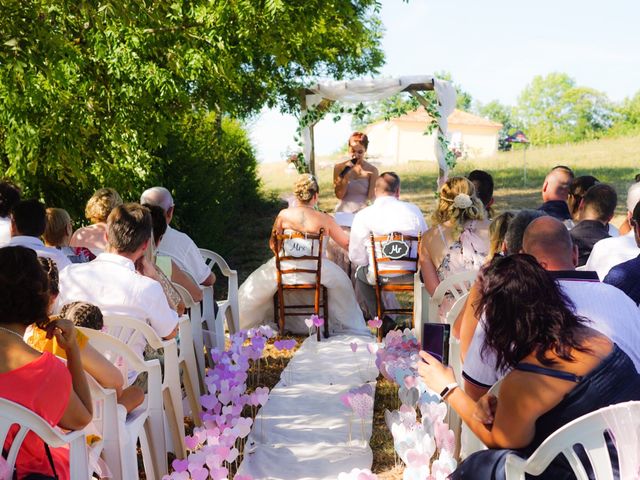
point(554, 109)
point(496, 111)
point(90, 92)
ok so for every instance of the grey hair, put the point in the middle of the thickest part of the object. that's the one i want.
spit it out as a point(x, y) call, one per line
point(515, 232)
point(159, 196)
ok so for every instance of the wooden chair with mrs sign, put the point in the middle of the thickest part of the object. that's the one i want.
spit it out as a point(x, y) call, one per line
point(394, 254)
point(298, 258)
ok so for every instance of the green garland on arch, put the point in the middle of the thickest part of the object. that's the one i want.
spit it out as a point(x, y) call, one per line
point(318, 112)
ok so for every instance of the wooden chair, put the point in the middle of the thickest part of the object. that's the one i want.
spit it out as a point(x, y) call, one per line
point(387, 250)
point(299, 253)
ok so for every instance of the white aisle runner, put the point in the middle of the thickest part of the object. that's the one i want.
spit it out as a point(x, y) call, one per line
point(303, 430)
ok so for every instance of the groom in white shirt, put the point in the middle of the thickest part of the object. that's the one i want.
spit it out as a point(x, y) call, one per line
point(387, 215)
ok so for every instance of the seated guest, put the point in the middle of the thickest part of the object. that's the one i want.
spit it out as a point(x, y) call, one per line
point(577, 190)
point(626, 275)
point(483, 181)
point(97, 210)
point(176, 244)
point(626, 227)
point(459, 239)
point(164, 263)
point(555, 191)
point(28, 223)
point(255, 296)
point(111, 282)
point(465, 325)
point(387, 215)
point(606, 309)
point(93, 362)
point(9, 196)
point(612, 251)
point(38, 381)
point(58, 232)
point(497, 233)
point(559, 369)
point(595, 212)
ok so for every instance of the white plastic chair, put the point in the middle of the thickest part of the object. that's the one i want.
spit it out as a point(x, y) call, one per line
point(456, 285)
point(129, 330)
point(14, 414)
point(188, 366)
point(195, 316)
point(228, 311)
point(621, 421)
point(454, 421)
point(145, 422)
point(105, 405)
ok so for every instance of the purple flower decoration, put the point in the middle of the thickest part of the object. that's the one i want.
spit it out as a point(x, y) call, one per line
point(375, 323)
point(285, 344)
point(317, 321)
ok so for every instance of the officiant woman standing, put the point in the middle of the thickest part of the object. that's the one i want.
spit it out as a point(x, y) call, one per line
point(354, 179)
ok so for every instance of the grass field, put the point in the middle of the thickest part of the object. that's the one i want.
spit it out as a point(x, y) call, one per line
point(615, 161)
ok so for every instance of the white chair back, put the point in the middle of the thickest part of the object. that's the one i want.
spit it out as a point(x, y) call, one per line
point(456, 286)
point(228, 311)
point(620, 421)
point(195, 316)
point(15, 414)
point(129, 330)
point(145, 422)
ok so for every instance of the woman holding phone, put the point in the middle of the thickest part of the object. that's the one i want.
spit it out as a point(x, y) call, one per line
point(354, 179)
point(557, 368)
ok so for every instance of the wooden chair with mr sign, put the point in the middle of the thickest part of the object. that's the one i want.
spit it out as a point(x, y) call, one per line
point(298, 258)
point(394, 254)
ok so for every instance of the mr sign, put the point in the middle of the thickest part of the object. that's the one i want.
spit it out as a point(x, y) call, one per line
point(395, 249)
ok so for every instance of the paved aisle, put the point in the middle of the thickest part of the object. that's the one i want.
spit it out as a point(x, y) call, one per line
point(303, 430)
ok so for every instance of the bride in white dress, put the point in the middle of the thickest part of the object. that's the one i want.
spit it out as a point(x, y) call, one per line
point(255, 296)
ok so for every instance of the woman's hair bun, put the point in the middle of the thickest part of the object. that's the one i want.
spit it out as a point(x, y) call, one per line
point(305, 188)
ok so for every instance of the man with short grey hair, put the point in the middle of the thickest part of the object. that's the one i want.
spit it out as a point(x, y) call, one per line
point(176, 244)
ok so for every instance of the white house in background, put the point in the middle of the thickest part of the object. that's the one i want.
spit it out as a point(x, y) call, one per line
point(401, 139)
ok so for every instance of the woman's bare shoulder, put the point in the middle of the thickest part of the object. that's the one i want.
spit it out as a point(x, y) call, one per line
point(370, 168)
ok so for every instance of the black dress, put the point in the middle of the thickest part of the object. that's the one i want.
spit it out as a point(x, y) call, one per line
point(615, 380)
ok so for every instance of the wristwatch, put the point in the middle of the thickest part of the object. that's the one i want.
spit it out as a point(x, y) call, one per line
point(448, 389)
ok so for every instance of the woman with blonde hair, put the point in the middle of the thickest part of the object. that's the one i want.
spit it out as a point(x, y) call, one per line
point(57, 233)
point(459, 238)
point(354, 180)
point(97, 210)
point(255, 296)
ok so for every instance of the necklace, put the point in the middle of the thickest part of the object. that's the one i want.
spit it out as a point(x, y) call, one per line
point(11, 331)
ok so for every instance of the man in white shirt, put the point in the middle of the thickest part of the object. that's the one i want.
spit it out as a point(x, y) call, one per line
point(176, 244)
point(111, 281)
point(28, 222)
point(610, 252)
point(387, 215)
point(9, 196)
point(608, 309)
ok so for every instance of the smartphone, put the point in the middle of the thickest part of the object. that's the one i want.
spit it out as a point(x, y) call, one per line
point(435, 340)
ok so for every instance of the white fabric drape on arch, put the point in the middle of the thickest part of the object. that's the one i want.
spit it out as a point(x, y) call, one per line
point(367, 90)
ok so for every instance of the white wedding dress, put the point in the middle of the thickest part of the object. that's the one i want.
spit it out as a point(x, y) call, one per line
point(255, 299)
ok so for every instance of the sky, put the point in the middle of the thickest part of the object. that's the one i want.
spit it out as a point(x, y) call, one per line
point(493, 49)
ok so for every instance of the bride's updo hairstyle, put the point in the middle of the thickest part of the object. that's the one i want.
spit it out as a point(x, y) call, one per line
point(458, 203)
point(305, 188)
